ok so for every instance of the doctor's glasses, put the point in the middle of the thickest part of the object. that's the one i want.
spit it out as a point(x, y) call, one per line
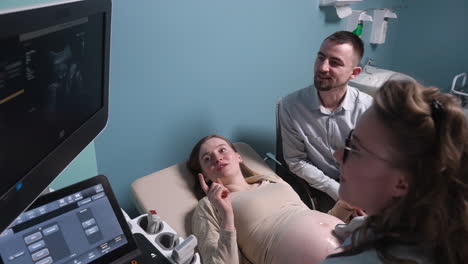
point(350, 148)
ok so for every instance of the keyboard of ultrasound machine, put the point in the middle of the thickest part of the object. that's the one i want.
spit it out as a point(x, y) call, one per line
point(83, 224)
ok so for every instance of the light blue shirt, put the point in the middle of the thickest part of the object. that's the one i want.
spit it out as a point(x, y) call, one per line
point(311, 134)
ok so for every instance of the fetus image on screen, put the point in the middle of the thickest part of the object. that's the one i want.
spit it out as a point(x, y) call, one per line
point(251, 218)
point(66, 81)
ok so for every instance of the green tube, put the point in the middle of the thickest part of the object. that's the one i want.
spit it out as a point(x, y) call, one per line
point(358, 30)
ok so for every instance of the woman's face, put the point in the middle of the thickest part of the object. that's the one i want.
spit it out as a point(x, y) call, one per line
point(218, 160)
point(368, 179)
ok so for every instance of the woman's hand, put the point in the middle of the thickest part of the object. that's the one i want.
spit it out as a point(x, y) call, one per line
point(218, 195)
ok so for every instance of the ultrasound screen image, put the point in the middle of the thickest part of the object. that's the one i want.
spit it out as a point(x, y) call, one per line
point(50, 84)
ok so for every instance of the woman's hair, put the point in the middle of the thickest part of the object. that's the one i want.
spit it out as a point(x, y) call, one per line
point(193, 163)
point(429, 139)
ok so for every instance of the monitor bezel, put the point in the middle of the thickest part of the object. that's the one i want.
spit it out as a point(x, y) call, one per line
point(16, 199)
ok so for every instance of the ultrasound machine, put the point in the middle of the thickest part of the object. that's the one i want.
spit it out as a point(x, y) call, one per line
point(54, 86)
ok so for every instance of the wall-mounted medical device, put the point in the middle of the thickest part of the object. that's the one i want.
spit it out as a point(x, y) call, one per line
point(356, 18)
point(380, 24)
point(355, 21)
point(342, 6)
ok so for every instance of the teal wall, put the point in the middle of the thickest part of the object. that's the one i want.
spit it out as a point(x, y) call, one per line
point(82, 167)
point(184, 69)
point(431, 41)
point(428, 41)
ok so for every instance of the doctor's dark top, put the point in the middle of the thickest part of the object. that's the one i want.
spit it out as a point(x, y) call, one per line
point(311, 134)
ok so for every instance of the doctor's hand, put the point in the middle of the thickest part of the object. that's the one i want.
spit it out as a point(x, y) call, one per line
point(218, 195)
point(356, 210)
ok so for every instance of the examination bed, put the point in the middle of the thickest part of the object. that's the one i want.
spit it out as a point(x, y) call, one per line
point(171, 191)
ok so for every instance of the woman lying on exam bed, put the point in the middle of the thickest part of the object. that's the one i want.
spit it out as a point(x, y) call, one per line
point(249, 218)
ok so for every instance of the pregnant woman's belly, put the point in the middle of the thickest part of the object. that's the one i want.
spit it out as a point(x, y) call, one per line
point(305, 238)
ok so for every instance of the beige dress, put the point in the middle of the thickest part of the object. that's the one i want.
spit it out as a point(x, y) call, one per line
point(269, 220)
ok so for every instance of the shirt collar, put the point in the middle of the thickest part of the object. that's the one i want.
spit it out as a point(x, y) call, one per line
point(315, 103)
point(347, 104)
point(349, 100)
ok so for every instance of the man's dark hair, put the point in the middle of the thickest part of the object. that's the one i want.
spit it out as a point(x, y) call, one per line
point(342, 37)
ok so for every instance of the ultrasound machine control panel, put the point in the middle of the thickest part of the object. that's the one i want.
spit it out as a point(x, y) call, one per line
point(83, 224)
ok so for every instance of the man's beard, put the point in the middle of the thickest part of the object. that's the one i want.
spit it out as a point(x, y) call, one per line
point(323, 87)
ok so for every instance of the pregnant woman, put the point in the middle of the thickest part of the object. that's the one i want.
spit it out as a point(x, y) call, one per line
point(251, 218)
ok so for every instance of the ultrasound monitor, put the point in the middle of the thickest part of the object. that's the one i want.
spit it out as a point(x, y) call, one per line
point(54, 77)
